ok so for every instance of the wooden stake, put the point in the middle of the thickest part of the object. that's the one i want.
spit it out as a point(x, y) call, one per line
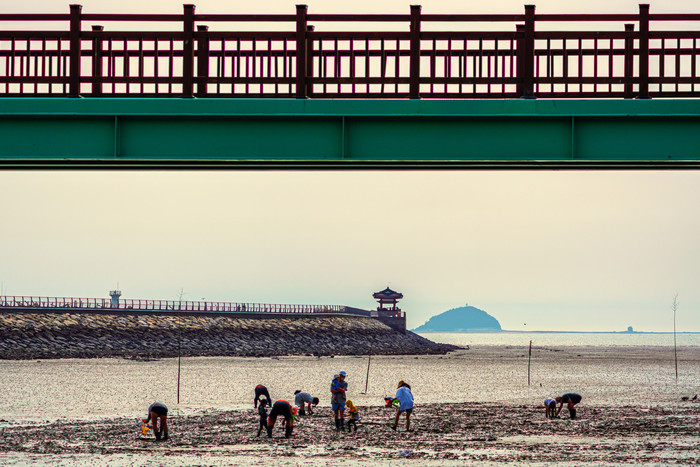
point(529, 354)
point(178, 360)
point(674, 307)
point(369, 359)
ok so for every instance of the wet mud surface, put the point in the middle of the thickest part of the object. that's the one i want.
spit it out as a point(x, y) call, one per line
point(479, 433)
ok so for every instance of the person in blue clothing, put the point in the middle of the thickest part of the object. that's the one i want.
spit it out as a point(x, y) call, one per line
point(405, 398)
point(338, 396)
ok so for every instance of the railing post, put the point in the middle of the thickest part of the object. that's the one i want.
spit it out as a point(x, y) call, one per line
point(644, 51)
point(97, 61)
point(629, 61)
point(414, 64)
point(528, 54)
point(520, 59)
point(74, 40)
point(202, 61)
point(301, 52)
point(309, 61)
point(188, 52)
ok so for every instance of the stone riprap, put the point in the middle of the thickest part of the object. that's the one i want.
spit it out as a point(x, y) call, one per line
point(53, 335)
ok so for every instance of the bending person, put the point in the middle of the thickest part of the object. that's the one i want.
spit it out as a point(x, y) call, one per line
point(156, 411)
point(304, 399)
point(550, 407)
point(570, 399)
point(260, 391)
point(405, 398)
point(286, 410)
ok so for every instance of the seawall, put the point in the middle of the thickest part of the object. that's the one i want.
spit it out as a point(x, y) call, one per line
point(77, 335)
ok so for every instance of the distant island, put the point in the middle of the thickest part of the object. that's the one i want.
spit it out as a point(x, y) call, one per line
point(463, 319)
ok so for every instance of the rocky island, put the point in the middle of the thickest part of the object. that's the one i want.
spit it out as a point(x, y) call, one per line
point(462, 319)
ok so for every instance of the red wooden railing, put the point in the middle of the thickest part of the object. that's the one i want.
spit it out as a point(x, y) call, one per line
point(425, 55)
point(62, 303)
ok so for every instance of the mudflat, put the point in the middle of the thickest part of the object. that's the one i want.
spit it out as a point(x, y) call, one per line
point(472, 406)
point(451, 433)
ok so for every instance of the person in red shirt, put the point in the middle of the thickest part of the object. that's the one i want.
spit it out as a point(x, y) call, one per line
point(286, 410)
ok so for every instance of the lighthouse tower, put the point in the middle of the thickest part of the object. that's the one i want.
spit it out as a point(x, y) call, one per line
point(115, 294)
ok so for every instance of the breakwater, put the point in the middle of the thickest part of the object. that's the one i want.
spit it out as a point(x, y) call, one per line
point(83, 335)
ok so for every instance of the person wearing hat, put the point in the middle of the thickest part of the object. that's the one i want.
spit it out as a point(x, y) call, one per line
point(405, 398)
point(338, 396)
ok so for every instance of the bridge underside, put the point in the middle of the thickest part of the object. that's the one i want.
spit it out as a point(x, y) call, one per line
point(348, 134)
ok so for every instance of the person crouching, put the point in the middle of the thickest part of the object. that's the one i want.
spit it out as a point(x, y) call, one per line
point(286, 410)
point(158, 411)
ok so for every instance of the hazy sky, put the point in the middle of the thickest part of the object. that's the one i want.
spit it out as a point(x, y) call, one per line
point(556, 250)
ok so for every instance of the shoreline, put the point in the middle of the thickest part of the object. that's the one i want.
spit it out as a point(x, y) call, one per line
point(513, 331)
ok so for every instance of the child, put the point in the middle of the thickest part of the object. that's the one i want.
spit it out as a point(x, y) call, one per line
point(550, 407)
point(353, 415)
point(262, 411)
point(405, 398)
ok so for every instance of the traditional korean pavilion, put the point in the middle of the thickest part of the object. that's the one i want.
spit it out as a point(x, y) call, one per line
point(387, 301)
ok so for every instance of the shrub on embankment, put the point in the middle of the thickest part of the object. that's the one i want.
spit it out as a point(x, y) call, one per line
point(50, 335)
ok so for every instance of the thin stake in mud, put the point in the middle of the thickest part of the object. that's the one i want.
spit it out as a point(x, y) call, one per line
point(674, 307)
point(179, 339)
point(179, 336)
point(529, 355)
point(369, 360)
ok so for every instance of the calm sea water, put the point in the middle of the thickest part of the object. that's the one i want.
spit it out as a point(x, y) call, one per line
point(565, 339)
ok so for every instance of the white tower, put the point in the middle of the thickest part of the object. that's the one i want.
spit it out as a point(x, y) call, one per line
point(115, 294)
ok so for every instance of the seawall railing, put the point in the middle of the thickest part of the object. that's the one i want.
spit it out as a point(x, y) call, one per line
point(414, 55)
point(105, 304)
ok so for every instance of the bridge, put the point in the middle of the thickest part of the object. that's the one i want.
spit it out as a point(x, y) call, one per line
point(397, 91)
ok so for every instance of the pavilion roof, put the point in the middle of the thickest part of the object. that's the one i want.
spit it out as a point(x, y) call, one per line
point(387, 293)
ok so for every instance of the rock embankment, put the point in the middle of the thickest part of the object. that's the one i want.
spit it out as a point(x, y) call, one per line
point(50, 335)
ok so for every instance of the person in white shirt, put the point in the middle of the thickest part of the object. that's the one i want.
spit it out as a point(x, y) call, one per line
point(405, 398)
point(550, 407)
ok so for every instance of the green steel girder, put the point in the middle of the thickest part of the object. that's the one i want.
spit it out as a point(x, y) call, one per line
point(306, 134)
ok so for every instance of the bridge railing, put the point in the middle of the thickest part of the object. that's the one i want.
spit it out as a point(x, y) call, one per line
point(50, 303)
point(417, 55)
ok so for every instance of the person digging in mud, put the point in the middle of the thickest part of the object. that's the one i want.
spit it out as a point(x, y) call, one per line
point(303, 399)
point(353, 415)
point(260, 391)
point(286, 410)
point(570, 399)
point(550, 407)
point(338, 390)
point(156, 411)
point(405, 398)
point(262, 411)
